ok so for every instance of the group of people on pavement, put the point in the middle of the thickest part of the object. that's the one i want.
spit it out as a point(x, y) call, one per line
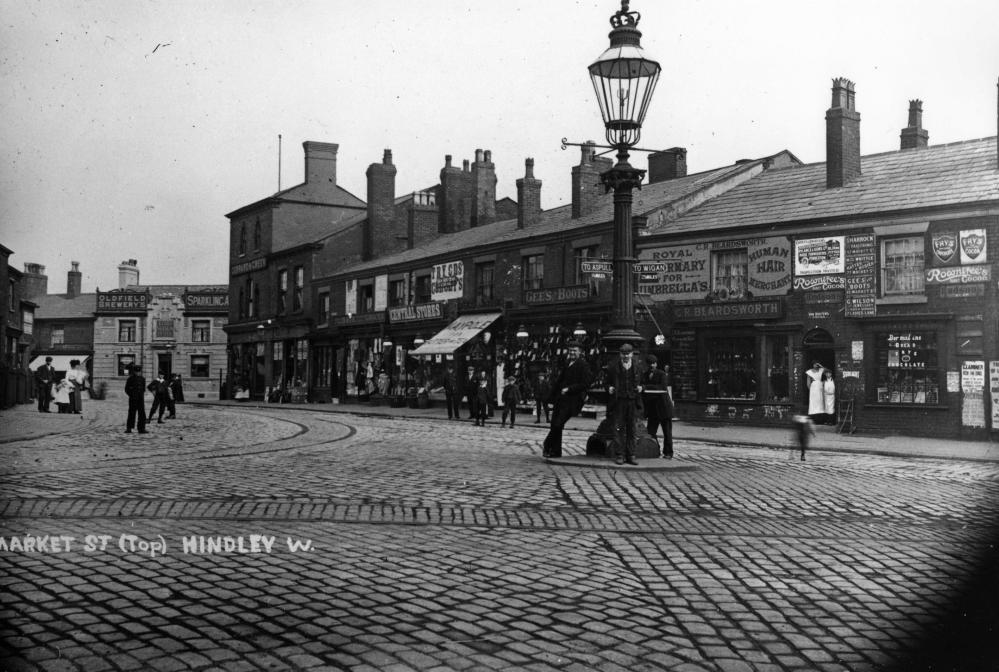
point(66, 391)
point(166, 394)
point(631, 391)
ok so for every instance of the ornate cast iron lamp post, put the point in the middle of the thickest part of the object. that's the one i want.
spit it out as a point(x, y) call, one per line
point(624, 77)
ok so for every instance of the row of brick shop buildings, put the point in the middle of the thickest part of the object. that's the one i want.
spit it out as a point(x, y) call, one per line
point(880, 266)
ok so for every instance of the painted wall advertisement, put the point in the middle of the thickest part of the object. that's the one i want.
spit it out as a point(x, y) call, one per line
point(381, 292)
point(447, 281)
point(973, 397)
point(819, 256)
point(687, 274)
point(973, 247)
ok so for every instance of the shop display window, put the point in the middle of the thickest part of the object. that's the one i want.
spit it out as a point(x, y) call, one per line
point(902, 266)
point(907, 368)
point(732, 368)
point(777, 372)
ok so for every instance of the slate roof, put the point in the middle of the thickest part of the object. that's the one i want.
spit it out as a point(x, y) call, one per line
point(556, 220)
point(296, 232)
point(937, 176)
point(61, 307)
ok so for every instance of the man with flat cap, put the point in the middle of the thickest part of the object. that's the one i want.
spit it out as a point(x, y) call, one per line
point(135, 388)
point(624, 398)
point(567, 397)
point(658, 404)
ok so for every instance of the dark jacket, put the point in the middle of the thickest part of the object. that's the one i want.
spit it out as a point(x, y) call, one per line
point(575, 379)
point(625, 383)
point(542, 390)
point(451, 385)
point(655, 396)
point(135, 387)
point(511, 395)
point(44, 375)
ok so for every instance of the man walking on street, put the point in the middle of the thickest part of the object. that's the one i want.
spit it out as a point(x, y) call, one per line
point(542, 392)
point(44, 377)
point(624, 390)
point(568, 396)
point(135, 389)
point(658, 404)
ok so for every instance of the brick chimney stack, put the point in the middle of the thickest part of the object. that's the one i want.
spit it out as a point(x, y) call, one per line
point(380, 230)
point(128, 274)
point(842, 135)
point(320, 162)
point(587, 189)
point(454, 199)
point(484, 188)
point(35, 282)
point(74, 281)
point(528, 197)
point(668, 164)
point(914, 136)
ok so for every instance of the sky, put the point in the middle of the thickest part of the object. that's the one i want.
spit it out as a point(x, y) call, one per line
point(131, 127)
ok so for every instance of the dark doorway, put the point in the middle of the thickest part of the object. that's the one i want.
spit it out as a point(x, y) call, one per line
point(164, 364)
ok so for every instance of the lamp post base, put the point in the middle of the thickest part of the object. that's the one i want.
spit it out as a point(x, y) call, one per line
point(618, 336)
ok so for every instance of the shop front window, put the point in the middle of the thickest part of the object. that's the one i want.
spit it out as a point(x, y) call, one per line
point(907, 367)
point(777, 372)
point(730, 273)
point(732, 368)
point(902, 266)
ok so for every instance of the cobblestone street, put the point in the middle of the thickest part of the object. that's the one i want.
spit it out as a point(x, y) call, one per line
point(278, 539)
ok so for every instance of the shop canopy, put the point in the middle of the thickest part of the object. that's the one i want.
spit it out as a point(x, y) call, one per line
point(456, 334)
point(59, 362)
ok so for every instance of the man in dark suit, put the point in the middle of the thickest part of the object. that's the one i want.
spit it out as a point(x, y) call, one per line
point(135, 388)
point(568, 396)
point(624, 397)
point(469, 388)
point(658, 404)
point(452, 393)
point(44, 377)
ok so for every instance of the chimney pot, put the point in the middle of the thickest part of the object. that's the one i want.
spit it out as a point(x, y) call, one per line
point(914, 136)
point(842, 135)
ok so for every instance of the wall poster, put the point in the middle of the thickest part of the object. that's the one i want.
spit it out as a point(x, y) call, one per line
point(994, 388)
point(973, 399)
point(819, 256)
point(973, 246)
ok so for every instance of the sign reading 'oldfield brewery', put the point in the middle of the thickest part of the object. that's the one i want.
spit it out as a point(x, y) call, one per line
point(122, 301)
point(571, 294)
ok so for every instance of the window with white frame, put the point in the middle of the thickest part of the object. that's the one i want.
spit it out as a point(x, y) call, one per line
point(27, 322)
point(730, 273)
point(59, 334)
point(296, 300)
point(902, 266)
point(581, 254)
point(534, 271)
point(282, 293)
point(201, 331)
point(126, 331)
point(397, 293)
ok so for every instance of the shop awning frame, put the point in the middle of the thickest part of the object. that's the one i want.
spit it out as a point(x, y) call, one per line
point(456, 334)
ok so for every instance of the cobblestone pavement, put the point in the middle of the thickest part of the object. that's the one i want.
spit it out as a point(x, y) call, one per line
point(272, 539)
